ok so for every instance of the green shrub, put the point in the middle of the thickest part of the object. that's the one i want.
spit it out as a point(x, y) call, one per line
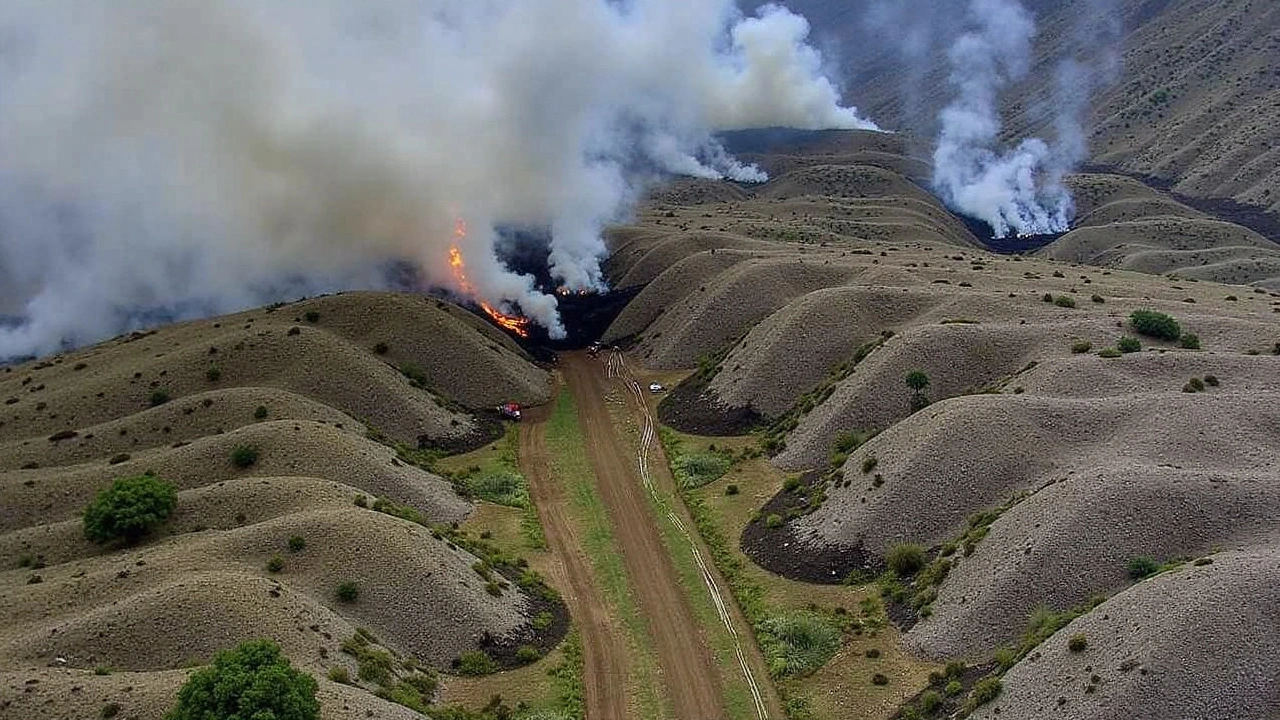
point(542, 620)
point(1194, 385)
point(361, 501)
point(879, 679)
point(1081, 347)
point(109, 710)
point(773, 521)
point(159, 396)
point(731, 489)
point(1189, 341)
point(312, 316)
point(130, 509)
point(1109, 353)
point(1064, 301)
point(213, 374)
point(869, 463)
point(476, 663)
point(796, 644)
point(1047, 297)
point(1143, 567)
point(1211, 380)
point(917, 380)
point(1077, 643)
point(527, 654)
point(872, 653)
point(348, 591)
point(1098, 299)
point(905, 559)
point(1275, 349)
point(701, 468)
point(275, 564)
point(243, 456)
point(340, 674)
point(381, 349)
point(791, 484)
point(1155, 324)
point(501, 487)
point(930, 701)
point(984, 691)
point(252, 682)
point(297, 543)
point(953, 688)
point(847, 442)
point(1128, 344)
point(260, 412)
point(102, 670)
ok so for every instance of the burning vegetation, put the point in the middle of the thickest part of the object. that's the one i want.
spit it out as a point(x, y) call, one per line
point(517, 324)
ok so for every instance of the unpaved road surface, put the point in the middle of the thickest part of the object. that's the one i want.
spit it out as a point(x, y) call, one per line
point(604, 648)
point(691, 678)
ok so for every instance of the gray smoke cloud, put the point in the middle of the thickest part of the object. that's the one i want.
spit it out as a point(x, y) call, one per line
point(1017, 190)
point(199, 156)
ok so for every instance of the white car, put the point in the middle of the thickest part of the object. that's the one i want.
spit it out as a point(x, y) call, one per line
point(655, 388)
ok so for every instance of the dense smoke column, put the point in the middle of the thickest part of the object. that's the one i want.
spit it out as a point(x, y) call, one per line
point(1016, 190)
point(171, 158)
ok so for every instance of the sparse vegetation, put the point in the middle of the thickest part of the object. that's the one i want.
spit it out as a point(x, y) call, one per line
point(158, 397)
point(130, 509)
point(275, 564)
point(731, 489)
point(773, 521)
point(244, 456)
point(1081, 347)
point(918, 382)
point(254, 681)
point(348, 591)
point(297, 543)
point(1109, 353)
point(1064, 301)
point(1155, 324)
point(1194, 385)
point(1143, 567)
point(340, 674)
point(312, 316)
point(213, 374)
point(260, 412)
point(1189, 341)
point(476, 662)
point(1128, 344)
point(879, 679)
point(797, 643)
point(1077, 643)
point(984, 691)
point(905, 559)
point(381, 349)
point(1211, 380)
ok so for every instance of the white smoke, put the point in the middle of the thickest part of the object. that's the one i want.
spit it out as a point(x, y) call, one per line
point(1018, 190)
point(199, 156)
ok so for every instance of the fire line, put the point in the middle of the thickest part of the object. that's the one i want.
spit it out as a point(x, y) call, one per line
point(515, 323)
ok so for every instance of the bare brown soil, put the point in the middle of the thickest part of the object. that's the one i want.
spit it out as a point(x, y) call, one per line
point(691, 676)
point(604, 649)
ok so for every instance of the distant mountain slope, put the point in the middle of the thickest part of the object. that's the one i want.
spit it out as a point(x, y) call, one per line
point(1193, 103)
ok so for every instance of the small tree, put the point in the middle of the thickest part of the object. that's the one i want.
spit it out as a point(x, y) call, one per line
point(918, 382)
point(1155, 324)
point(251, 682)
point(129, 509)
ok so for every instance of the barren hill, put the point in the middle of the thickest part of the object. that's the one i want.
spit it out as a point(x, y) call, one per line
point(307, 387)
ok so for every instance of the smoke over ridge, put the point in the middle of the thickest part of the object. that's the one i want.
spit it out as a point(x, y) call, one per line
point(200, 156)
point(1018, 190)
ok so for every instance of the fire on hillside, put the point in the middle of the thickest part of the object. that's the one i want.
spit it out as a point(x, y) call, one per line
point(517, 324)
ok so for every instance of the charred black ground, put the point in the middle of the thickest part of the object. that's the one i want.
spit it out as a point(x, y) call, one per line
point(1013, 245)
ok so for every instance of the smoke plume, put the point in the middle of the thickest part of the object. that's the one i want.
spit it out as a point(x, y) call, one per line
point(199, 156)
point(1017, 190)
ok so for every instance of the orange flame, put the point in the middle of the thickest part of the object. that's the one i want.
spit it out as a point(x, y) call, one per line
point(515, 323)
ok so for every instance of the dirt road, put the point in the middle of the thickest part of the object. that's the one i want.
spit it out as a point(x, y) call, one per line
point(604, 648)
point(690, 676)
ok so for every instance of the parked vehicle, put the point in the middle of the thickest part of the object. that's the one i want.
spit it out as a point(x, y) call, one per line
point(510, 410)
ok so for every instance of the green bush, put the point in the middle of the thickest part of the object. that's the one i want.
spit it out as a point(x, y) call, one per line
point(312, 316)
point(159, 396)
point(340, 674)
point(701, 468)
point(381, 349)
point(984, 691)
point(1098, 299)
point(1081, 347)
point(1143, 567)
point(869, 463)
point(1077, 643)
point(1064, 301)
point(1155, 324)
point(917, 380)
point(252, 682)
point(501, 487)
point(1128, 344)
point(542, 620)
point(1211, 380)
point(1195, 384)
point(731, 489)
point(348, 591)
point(243, 456)
point(275, 564)
point(879, 679)
point(213, 374)
point(773, 521)
point(791, 484)
point(527, 654)
point(260, 412)
point(109, 710)
point(1047, 297)
point(953, 688)
point(930, 701)
point(1109, 353)
point(297, 543)
point(796, 644)
point(476, 663)
point(905, 559)
point(129, 509)
point(1189, 341)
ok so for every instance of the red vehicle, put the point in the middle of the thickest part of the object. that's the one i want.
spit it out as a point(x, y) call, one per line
point(510, 410)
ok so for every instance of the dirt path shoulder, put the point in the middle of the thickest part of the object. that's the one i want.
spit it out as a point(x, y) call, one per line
point(604, 648)
point(690, 676)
